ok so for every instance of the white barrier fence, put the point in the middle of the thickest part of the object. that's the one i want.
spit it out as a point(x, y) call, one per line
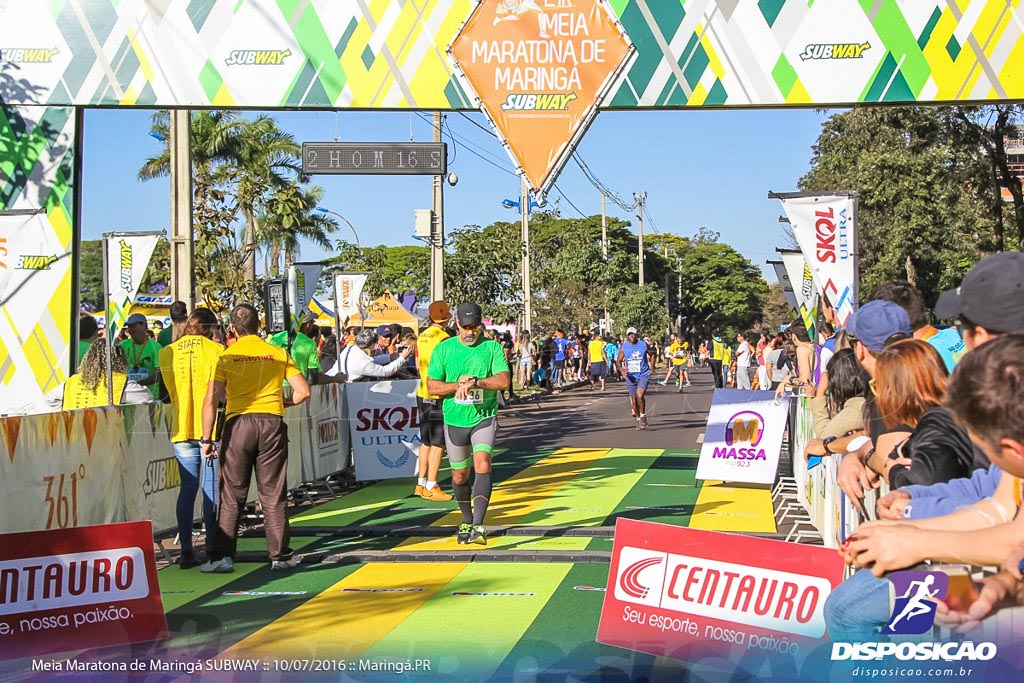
point(101, 465)
point(831, 512)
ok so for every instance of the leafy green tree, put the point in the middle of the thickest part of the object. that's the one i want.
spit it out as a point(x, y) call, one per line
point(404, 269)
point(777, 311)
point(485, 266)
point(639, 307)
point(291, 214)
point(723, 292)
point(919, 216)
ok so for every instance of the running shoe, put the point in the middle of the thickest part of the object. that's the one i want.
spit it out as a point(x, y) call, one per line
point(221, 566)
point(420, 490)
point(642, 420)
point(435, 494)
point(686, 384)
point(279, 565)
point(662, 383)
point(478, 535)
point(464, 531)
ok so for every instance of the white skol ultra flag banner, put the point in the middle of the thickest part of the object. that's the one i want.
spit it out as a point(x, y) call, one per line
point(743, 438)
point(786, 283)
point(347, 289)
point(302, 279)
point(385, 428)
point(824, 227)
point(804, 289)
point(127, 256)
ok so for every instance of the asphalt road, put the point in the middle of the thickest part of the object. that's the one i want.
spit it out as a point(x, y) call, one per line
point(584, 418)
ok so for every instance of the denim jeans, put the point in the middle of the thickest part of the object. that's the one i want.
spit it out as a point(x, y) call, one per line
point(858, 609)
point(192, 468)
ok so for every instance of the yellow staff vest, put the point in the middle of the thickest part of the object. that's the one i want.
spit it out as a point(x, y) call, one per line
point(77, 396)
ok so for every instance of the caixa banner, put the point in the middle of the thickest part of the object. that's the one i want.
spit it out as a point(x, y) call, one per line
point(100, 589)
point(693, 595)
point(385, 428)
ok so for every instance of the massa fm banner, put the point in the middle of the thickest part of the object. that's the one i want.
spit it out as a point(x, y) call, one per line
point(377, 55)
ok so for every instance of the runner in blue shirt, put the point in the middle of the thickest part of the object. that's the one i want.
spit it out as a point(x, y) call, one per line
point(558, 362)
point(637, 372)
point(611, 349)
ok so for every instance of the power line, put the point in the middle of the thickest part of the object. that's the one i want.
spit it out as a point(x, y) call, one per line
point(601, 187)
point(569, 201)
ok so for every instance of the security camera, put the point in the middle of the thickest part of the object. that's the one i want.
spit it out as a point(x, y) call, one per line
point(452, 179)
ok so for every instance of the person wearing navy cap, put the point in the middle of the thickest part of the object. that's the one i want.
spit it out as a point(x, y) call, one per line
point(142, 353)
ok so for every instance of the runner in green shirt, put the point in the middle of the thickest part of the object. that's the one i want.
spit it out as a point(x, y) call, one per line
point(468, 372)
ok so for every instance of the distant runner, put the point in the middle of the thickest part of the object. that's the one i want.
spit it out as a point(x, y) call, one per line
point(637, 373)
point(598, 361)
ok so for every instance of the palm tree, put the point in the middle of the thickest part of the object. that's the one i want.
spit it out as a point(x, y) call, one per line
point(290, 214)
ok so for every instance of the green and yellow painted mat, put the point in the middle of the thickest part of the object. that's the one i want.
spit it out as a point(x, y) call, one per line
point(468, 620)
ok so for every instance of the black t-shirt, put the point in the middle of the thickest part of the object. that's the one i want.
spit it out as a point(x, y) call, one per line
point(939, 450)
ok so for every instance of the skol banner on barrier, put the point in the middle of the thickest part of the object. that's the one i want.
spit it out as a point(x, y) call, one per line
point(743, 437)
point(348, 287)
point(127, 256)
point(825, 228)
point(540, 70)
point(689, 594)
point(75, 589)
point(61, 470)
point(804, 288)
point(385, 428)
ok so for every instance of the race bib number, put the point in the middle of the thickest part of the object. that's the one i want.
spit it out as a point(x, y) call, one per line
point(633, 366)
point(138, 374)
point(474, 397)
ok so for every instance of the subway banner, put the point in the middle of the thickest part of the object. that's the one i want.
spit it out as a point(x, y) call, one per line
point(36, 238)
point(743, 437)
point(389, 55)
point(99, 589)
point(825, 227)
point(385, 428)
point(701, 595)
point(126, 257)
point(804, 288)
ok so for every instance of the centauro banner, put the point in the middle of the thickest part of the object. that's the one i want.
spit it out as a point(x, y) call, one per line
point(540, 68)
point(127, 257)
point(824, 228)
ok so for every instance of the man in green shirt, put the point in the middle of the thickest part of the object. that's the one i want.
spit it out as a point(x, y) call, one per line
point(468, 372)
point(304, 350)
point(179, 315)
point(142, 354)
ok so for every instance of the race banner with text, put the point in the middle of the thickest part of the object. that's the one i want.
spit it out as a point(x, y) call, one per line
point(302, 281)
point(825, 228)
point(743, 437)
point(61, 470)
point(75, 589)
point(127, 257)
point(347, 289)
point(691, 595)
point(540, 71)
point(804, 289)
point(785, 283)
point(331, 438)
point(385, 428)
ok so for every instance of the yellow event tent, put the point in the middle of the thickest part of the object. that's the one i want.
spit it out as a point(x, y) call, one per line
point(384, 311)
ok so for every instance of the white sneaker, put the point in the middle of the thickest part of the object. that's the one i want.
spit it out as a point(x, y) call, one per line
point(278, 565)
point(662, 383)
point(222, 566)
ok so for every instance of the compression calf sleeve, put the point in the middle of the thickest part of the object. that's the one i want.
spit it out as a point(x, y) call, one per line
point(482, 488)
point(461, 492)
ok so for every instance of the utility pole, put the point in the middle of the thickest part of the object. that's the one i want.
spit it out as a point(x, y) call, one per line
point(604, 253)
point(640, 199)
point(437, 228)
point(182, 245)
point(524, 206)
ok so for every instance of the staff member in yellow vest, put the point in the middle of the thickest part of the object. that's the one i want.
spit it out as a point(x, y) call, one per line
point(142, 354)
point(186, 367)
point(429, 406)
point(716, 361)
point(88, 387)
point(250, 374)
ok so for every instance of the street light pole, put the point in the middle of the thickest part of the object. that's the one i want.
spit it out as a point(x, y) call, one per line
point(347, 222)
point(640, 199)
point(604, 253)
point(524, 207)
point(437, 228)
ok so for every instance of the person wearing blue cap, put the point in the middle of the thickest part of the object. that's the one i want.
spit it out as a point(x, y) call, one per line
point(876, 323)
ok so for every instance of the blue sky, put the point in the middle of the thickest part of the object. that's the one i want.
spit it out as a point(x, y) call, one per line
point(699, 168)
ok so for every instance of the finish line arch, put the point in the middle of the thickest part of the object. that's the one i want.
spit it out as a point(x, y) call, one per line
point(56, 58)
